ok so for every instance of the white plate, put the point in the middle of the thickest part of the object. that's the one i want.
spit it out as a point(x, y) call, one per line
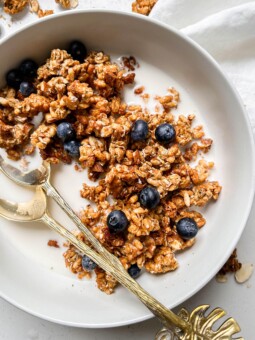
point(33, 276)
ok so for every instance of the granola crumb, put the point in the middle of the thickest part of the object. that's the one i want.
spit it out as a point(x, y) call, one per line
point(130, 63)
point(139, 90)
point(35, 8)
point(43, 13)
point(78, 168)
point(14, 6)
point(53, 243)
point(232, 265)
point(67, 4)
point(143, 6)
point(34, 5)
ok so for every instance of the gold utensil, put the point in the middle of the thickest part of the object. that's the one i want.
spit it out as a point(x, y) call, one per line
point(182, 326)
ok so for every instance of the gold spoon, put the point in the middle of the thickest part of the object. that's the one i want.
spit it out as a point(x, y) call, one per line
point(182, 326)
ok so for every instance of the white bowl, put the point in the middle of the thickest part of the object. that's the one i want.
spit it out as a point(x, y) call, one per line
point(167, 58)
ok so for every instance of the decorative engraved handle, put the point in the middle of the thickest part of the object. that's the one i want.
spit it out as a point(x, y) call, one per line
point(167, 317)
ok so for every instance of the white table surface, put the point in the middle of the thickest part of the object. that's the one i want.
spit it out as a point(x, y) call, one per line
point(238, 300)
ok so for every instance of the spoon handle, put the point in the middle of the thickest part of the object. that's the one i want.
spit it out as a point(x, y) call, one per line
point(166, 316)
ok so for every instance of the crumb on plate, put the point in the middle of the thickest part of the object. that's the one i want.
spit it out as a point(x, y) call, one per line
point(143, 6)
point(232, 265)
point(14, 6)
point(53, 243)
point(67, 4)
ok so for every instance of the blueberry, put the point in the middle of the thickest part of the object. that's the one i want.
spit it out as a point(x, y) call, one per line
point(87, 263)
point(77, 50)
point(14, 78)
point(165, 133)
point(65, 132)
point(187, 228)
point(28, 69)
point(73, 148)
point(139, 130)
point(26, 88)
point(149, 197)
point(117, 221)
point(134, 271)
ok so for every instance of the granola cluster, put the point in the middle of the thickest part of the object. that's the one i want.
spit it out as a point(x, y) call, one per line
point(143, 6)
point(14, 6)
point(232, 265)
point(89, 96)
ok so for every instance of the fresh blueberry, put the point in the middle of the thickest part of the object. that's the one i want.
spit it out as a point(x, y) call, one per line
point(165, 133)
point(65, 132)
point(77, 50)
point(139, 130)
point(134, 271)
point(117, 221)
point(187, 228)
point(73, 148)
point(87, 263)
point(14, 78)
point(26, 88)
point(149, 197)
point(28, 69)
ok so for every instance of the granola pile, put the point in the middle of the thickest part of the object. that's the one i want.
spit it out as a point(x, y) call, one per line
point(89, 96)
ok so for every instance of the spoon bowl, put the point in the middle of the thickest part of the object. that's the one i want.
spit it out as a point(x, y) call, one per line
point(25, 211)
point(32, 178)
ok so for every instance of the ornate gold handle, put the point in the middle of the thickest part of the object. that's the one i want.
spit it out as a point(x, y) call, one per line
point(202, 326)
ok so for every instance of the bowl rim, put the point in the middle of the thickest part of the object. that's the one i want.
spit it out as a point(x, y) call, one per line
point(228, 82)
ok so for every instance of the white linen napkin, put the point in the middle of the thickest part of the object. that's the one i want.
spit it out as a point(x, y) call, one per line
point(226, 29)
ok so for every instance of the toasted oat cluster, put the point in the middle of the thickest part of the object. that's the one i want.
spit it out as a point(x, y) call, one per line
point(14, 6)
point(143, 6)
point(232, 265)
point(88, 96)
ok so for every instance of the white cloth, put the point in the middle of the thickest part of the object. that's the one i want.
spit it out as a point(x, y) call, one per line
point(226, 29)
